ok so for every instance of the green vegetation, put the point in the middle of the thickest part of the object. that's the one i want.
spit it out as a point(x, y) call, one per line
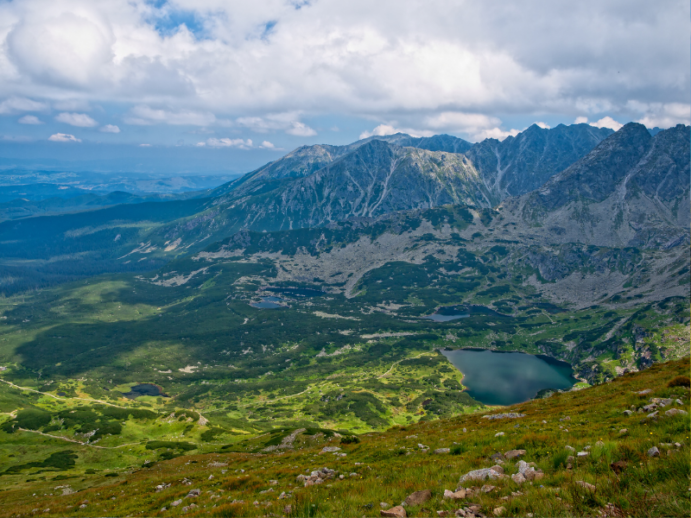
point(389, 466)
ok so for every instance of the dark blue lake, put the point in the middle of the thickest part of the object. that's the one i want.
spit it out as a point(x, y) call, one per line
point(267, 303)
point(499, 378)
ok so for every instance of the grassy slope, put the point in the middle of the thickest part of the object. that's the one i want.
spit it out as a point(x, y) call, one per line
point(390, 466)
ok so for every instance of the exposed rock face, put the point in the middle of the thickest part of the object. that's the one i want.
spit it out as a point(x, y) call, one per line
point(520, 164)
point(631, 190)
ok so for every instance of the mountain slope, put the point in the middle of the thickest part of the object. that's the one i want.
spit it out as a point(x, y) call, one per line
point(631, 190)
point(523, 163)
point(618, 475)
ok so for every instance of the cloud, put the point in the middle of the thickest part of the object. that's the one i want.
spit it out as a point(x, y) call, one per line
point(286, 122)
point(145, 116)
point(299, 129)
point(110, 128)
point(581, 120)
point(663, 115)
point(21, 104)
point(199, 62)
point(226, 142)
point(81, 120)
point(267, 145)
point(387, 129)
point(29, 119)
point(607, 122)
point(496, 133)
point(144, 145)
point(542, 125)
point(63, 137)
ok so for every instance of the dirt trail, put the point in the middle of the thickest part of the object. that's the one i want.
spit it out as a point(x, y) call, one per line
point(80, 442)
point(63, 398)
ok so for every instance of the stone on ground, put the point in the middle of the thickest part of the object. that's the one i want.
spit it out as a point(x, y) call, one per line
point(394, 512)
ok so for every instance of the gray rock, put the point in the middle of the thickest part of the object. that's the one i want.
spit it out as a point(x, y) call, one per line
point(512, 454)
point(330, 449)
point(653, 452)
point(442, 450)
point(480, 474)
point(176, 503)
point(510, 415)
point(675, 411)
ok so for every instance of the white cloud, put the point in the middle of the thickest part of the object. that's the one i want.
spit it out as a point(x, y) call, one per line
point(145, 115)
point(29, 119)
point(110, 128)
point(299, 129)
point(226, 142)
point(387, 129)
point(267, 145)
point(662, 115)
point(543, 125)
point(496, 133)
point(607, 122)
point(63, 137)
point(581, 120)
point(286, 122)
point(81, 120)
point(21, 104)
point(144, 145)
point(404, 60)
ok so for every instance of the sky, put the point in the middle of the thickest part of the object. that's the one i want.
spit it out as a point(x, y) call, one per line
point(225, 85)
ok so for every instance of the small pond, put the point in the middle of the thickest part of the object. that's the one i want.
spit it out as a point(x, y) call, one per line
point(501, 378)
point(144, 389)
point(448, 313)
point(267, 303)
point(297, 292)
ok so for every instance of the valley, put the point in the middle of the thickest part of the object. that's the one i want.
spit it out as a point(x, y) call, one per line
point(319, 297)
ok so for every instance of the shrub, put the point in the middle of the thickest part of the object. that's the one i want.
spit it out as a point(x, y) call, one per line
point(679, 381)
point(458, 449)
point(351, 439)
point(33, 418)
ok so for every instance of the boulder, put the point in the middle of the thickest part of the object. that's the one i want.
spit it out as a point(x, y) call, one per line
point(487, 488)
point(582, 454)
point(623, 431)
point(498, 469)
point(330, 449)
point(644, 392)
point(653, 452)
point(384, 505)
point(498, 511)
point(176, 503)
point(499, 434)
point(496, 456)
point(454, 495)
point(628, 413)
point(419, 497)
point(570, 448)
point(512, 454)
point(394, 512)
point(518, 478)
point(442, 450)
point(480, 474)
point(675, 411)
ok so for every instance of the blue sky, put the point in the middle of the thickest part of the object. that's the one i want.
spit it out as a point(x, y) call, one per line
point(225, 85)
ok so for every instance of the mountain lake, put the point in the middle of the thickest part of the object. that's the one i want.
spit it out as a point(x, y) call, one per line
point(506, 378)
